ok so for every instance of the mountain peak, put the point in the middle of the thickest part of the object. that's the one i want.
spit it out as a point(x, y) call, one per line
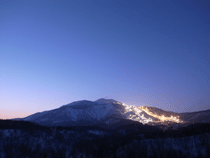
point(109, 112)
point(80, 104)
point(105, 101)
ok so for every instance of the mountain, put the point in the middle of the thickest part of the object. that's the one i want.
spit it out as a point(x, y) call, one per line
point(83, 113)
point(106, 128)
point(111, 113)
point(194, 117)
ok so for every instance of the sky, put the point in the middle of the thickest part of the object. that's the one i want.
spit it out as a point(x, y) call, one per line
point(151, 53)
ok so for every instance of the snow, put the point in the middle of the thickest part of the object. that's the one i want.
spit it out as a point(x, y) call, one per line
point(104, 101)
point(96, 132)
point(74, 113)
point(190, 146)
point(135, 114)
point(98, 110)
point(8, 132)
point(34, 116)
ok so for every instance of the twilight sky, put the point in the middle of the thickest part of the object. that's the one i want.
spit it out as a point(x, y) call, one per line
point(152, 53)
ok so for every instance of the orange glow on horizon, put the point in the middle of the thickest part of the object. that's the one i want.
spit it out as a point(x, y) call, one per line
point(4, 114)
point(162, 117)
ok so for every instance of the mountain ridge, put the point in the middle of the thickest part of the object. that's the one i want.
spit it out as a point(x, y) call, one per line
point(109, 112)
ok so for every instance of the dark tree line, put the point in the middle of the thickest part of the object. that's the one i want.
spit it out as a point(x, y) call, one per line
point(25, 139)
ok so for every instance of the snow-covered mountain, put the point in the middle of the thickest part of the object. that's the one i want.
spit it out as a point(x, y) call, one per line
point(109, 112)
point(99, 112)
point(116, 131)
point(187, 117)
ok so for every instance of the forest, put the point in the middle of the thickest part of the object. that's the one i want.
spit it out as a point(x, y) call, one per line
point(26, 139)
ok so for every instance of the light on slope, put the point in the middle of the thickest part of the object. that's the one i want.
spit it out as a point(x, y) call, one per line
point(162, 117)
point(137, 116)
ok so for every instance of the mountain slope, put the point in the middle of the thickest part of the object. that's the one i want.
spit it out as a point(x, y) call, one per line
point(108, 112)
point(102, 111)
point(194, 117)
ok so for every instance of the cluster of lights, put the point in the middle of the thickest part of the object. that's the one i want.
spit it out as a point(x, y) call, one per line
point(162, 117)
point(138, 116)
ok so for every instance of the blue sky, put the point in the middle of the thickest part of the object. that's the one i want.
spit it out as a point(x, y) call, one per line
point(152, 53)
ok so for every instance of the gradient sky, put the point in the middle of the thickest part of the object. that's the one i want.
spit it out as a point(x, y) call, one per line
point(152, 53)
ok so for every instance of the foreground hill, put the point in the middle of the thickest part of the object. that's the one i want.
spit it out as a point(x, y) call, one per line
point(26, 139)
